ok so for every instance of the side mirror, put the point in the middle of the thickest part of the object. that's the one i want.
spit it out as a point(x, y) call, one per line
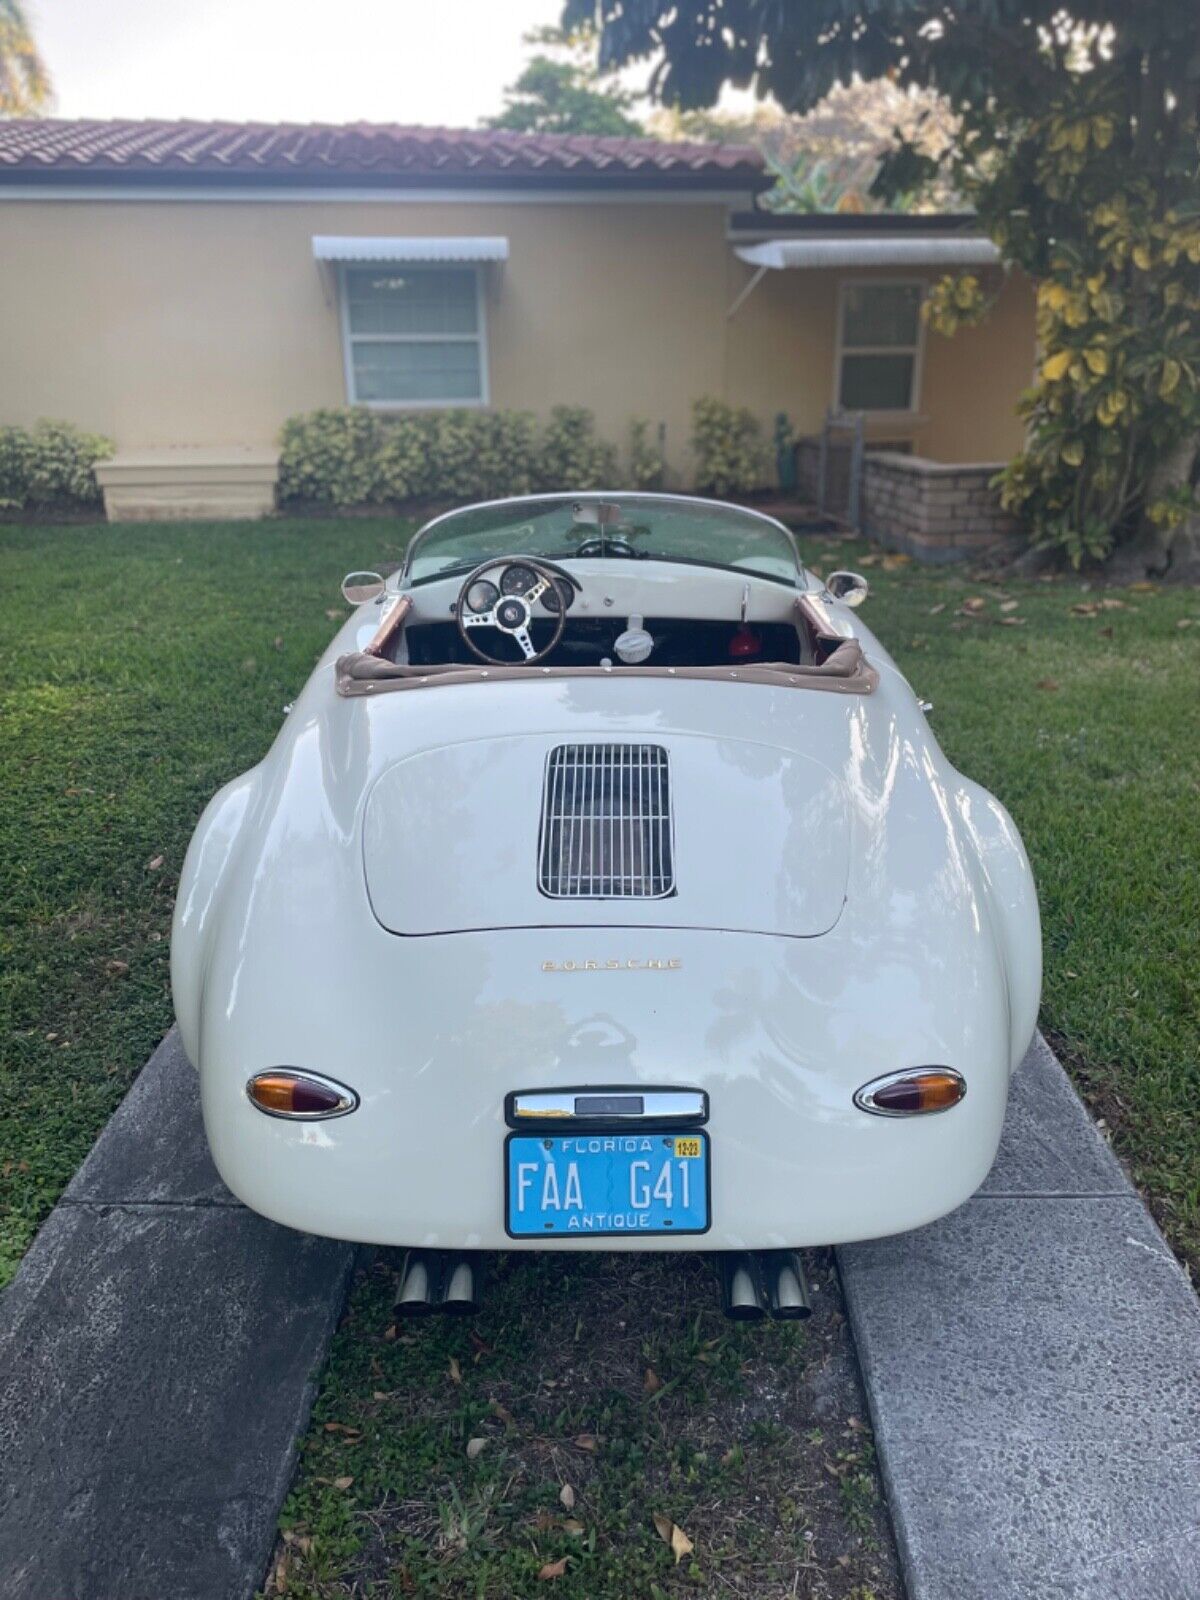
point(851, 588)
point(359, 587)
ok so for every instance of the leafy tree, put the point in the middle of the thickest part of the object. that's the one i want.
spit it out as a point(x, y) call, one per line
point(24, 81)
point(562, 91)
point(1078, 145)
point(828, 159)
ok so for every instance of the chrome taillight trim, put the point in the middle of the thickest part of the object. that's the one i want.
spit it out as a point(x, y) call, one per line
point(606, 826)
point(864, 1098)
point(348, 1100)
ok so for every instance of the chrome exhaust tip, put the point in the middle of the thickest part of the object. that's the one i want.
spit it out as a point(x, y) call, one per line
point(743, 1292)
point(460, 1286)
point(787, 1286)
point(419, 1281)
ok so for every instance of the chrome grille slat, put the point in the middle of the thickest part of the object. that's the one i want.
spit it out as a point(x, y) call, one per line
point(606, 823)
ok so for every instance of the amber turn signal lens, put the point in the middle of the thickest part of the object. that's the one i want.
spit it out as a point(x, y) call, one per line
point(909, 1094)
point(300, 1094)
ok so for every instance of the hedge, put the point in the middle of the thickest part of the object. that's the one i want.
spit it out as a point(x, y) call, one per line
point(350, 456)
point(49, 466)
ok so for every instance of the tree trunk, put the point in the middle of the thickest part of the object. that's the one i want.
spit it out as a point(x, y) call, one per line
point(1172, 554)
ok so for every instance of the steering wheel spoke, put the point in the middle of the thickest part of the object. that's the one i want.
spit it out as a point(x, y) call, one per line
point(512, 614)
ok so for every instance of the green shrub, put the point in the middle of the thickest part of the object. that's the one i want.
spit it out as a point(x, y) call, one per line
point(50, 466)
point(647, 469)
point(331, 456)
point(570, 455)
point(349, 455)
point(727, 441)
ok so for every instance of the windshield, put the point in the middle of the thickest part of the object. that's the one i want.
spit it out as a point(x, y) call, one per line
point(621, 527)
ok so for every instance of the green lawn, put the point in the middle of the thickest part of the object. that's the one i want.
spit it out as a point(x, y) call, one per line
point(139, 670)
point(142, 667)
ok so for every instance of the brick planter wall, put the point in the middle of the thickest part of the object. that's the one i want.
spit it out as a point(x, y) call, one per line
point(934, 511)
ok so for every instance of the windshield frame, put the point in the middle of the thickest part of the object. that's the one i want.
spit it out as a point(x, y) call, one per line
point(619, 497)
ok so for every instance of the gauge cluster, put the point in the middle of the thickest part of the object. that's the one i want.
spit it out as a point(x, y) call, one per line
point(518, 579)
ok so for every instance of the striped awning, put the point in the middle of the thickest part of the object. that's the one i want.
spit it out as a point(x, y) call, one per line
point(336, 247)
point(932, 250)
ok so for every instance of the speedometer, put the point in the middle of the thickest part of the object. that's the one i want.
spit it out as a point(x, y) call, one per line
point(559, 595)
point(517, 579)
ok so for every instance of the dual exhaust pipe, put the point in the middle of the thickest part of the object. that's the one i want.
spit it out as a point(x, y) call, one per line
point(754, 1284)
point(764, 1283)
point(439, 1280)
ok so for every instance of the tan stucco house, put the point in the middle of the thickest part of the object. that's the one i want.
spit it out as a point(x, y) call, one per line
point(188, 286)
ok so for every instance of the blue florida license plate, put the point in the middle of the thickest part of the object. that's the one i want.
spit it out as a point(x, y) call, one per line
point(573, 1184)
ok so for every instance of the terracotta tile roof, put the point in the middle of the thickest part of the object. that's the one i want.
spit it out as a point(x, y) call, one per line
point(357, 153)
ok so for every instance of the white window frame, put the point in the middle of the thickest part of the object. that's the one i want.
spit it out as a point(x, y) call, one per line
point(479, 337)
point(917, 351)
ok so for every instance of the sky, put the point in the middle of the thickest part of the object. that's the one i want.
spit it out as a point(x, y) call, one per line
point(437, 62)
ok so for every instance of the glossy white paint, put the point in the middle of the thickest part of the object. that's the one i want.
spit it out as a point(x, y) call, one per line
point(882, 910)
point(437, 863)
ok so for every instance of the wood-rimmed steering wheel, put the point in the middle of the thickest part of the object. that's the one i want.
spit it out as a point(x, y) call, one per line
point(511, 613)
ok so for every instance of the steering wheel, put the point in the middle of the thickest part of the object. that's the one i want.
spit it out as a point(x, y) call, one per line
point(512, 613)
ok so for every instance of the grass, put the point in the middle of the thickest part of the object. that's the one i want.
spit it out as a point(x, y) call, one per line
point(139, 670)
point(143, 667)
point(558, 1439)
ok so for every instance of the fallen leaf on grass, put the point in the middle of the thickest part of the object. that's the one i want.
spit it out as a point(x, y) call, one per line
point(334, 614)
point(116, 969)
point(277, 641)
point(342, 1483)
point(342, 1427)
point(585, 1441)
point(454, 1370)
point(974, 604)
point(1011, 622)
point(893, 563)
point(475, 1447)
point(553, 1569)
point(154, 863)
point(937, 609)
point(574, 1527)
point(481, 1346)
point(1009, 605)
point(651, 1383)
point(1047, 683)
point(1143, 588)
point(504, 1414)
point(566, 1497)
point(671, 1533)
point(1186, 622)
point(868, 561)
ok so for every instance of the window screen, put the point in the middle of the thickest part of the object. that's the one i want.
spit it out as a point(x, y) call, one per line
point(880, 340)
point(415, 335)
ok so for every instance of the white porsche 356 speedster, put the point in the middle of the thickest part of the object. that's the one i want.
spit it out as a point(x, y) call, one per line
point(605, 888)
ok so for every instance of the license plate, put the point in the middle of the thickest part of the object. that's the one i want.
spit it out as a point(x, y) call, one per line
point(570, 1185)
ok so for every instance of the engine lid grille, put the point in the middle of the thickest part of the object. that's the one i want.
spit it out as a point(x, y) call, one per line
point(606, 823)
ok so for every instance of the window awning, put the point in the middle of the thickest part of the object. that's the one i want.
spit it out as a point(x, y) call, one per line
point(934, 250)
point(335, 247)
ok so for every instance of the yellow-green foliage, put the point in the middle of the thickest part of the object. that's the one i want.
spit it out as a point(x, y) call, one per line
point(647, 469)
point(49, 465)
point(352, 456)
point(571, 457)
point(1117, 272)
point(728, 446)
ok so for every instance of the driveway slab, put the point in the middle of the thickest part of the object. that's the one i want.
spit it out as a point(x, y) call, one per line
point(159, 1351)
point(1032, 1364)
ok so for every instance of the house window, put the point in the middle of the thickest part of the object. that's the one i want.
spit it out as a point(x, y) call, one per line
point(414, 336)
point(879, 348)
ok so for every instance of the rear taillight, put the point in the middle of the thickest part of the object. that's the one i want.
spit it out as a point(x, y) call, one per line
point(303, 1096)
point(912, 1093)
